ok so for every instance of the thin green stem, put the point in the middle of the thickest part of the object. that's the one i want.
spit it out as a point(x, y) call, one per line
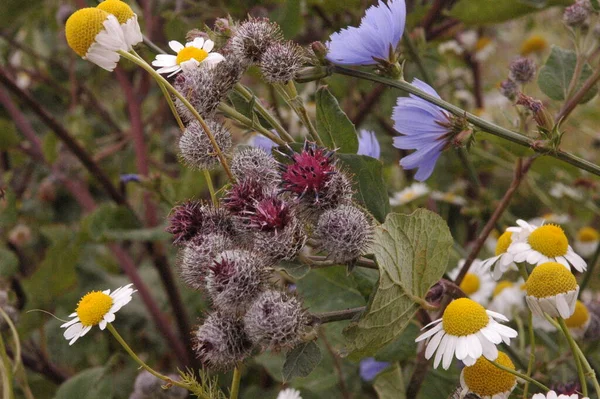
point(290, 95)
point(159, 78)
point(235, 383)
point(211, 187)
point(519, 375)
point(531, 354)
point(248, 96)
point(475, 120)
point(249, 123)
point(410, 46)
point(7, 375)
point(172, 106)
point(573, 346)
point(139, 361)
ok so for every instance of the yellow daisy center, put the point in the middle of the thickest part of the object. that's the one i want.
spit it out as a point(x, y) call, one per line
point(482, 43)
point(550, 279)
point(82, 27)
point(187, 53)
point(579, 317)
point(464, 317)
point(470, 284)
point(534, 44)
point(92, 308)
point(588, 234)
point(117, 8)
point(504, 242)
point(549, 240)
point(501, 286)
point(485, 379)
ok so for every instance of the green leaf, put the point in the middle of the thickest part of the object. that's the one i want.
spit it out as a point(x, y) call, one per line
point(301, 361)
point(402, 348)
point(149, 234)
point(412, 253)
point(108, 219)
point(479, 12)
point(89, 384)
point(369, 184)
point(9, 263)
point(556, 75)
point(342, 290)
point(596, 4)
point(333, 125)
point(390, 384)
point(294, 269)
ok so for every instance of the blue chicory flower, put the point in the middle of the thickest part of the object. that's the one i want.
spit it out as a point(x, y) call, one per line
point(368, 144)
point(369, 368)
point(380, 29)
point(260, 141)
point(425, 128)
point(130, 177)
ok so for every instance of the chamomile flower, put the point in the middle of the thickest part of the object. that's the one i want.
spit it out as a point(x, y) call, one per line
point(449, 197)
point(587, 241)
point(96, 309)
point(127, 18)
point(289, 393)
point(466, 330)
point(375, 39)
point(534, 44)
point(540, 244)
point(579, 321)
point(555, 218)
point(508, 298)
point(96, 36)
point(478, 283)
point(190, 56)
point(408, 194)
point(488, 381)
point(552, 289)
point(502, 259)
point(554, 395)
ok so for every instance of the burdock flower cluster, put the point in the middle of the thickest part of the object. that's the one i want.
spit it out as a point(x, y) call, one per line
point(266, 216)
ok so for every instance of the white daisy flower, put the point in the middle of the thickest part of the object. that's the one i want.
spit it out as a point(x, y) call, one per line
point(466, 330)
point(408, 194)
point(488, 381)
point(289, 393)
point(508, 298)
point(503, 259)
point(96, 308)
point(478, 283)
point(547, 243)
point(560, 190)
point(587, 241)
point(127, 18)
point(554, 395)
point(96, 36)
point(450, 198)
point(556, 218)
point(552, 289)
point(579, 321)
point(450, 47)
point(192, 55)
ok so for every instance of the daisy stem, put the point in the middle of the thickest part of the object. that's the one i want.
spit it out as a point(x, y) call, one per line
point(235, 383)
point(248, 96)
point(252, 124)
point(7, 375)
point(185, 102)
point(139, 361)
point(531, 354)
point(482, 124)
point(576, 356)
point(519, 375)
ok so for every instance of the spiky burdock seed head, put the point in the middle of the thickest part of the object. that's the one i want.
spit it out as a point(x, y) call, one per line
point(147, 386)
point(251, 38)
point(235, 278)
point(242, 196)
point(196, 148)
point(221, 342)
point(283, 243)
point(193, 217)
point(281, 61)
point(276, 320)
point(522, 70)
point(269, 214)
point(255, 164)
point(509, 89)
point(344, 233)
point(577, 14)
point(198, 255)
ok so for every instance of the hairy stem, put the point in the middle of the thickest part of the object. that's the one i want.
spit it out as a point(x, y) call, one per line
point(570, 105)
point(235, 383)
point(337, 315)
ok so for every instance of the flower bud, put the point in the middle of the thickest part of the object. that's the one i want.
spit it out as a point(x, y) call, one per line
point(344, 233)
point(196, 148)
point(221, 342)
point(577, 14)
point(192, 217)
point(198, 255)
point(251, 39)
point(509, 89)
point(320, 51)
point(541, 116)
point(281, 62)
point(276, 321)
point(242, 197)
point(255, 164)
point(281, 244)
point(522, 70)
point(194, 33)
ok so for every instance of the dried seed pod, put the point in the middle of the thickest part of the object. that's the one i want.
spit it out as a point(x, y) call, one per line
point(198, 255)
point(281, 61)
point(196, 148)
point(257, 165)
point(251, 38)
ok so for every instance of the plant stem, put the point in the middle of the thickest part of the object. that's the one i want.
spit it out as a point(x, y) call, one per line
point(321, 261)
point(464, 157)
point(211, 187)
point(244, 120)
point(519, 375)
point(248, 96)
point(479, 122)
point(290, 95)
point(235, 383)
point(573, 346)
point(570, 105)
point(139, 361)
point(337, 315)
point(531, 354)
point(140, 62)
point(7, 374)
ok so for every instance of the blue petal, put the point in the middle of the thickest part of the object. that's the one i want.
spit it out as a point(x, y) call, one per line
point(368, 144)
point(424, 158)
point(369, 368)
point(262, 142)
point(419, 84)
point(414, 142)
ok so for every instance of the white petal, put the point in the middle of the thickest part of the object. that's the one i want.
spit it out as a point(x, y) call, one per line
point(429, 333)
point(102, 324)
point(208, 45)
point(432, 323)
point(212, 59)
point(73, 330)
point(497, 315)
point(490, 351)
point(449, 352)
point(176, 46)
point(440, 351)
point(166, 61)
point(492, 335)
point(433, 344)
point(462, 349)
point(70, 322)
point(474, 347)
point(197, 42)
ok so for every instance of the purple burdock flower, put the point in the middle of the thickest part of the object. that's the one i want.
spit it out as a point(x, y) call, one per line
point(375, 39)
point(369, 368)
point(262, 142)
point(426, 128)
point(368, 144)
